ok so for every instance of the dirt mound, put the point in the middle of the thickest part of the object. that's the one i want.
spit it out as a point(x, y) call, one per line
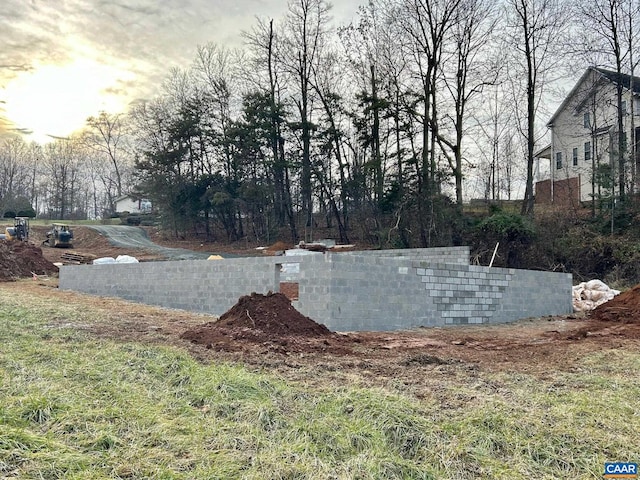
point(277, 248)
point(624, 308)
point(21, 259)
point(272, 314)
point(268, 320)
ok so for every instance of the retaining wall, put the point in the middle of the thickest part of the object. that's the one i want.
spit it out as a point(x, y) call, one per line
point(344, 291)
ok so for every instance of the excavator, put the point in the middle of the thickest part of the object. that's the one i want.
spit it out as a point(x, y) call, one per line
point(19, 231)
point(59, 236)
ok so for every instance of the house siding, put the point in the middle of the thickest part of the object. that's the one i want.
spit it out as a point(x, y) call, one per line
point(128, 204)
point(595, 95)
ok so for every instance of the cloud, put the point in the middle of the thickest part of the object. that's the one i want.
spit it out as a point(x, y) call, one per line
point(144, 39)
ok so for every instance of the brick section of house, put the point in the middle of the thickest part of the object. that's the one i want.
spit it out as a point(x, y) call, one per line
point(346, 292)
point(565, 192)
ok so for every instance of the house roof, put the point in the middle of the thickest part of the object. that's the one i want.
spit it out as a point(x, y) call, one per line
point(621, 78)
point(609, 75)
point(544, 152)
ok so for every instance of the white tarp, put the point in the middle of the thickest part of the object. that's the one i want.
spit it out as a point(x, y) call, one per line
point(126, 259)
point(104, 260)
point(120, 259)
point(588, 295)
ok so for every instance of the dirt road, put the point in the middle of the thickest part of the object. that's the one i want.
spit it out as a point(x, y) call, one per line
point(136, 238)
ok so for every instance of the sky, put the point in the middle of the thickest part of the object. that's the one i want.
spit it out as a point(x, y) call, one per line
point(65, 60)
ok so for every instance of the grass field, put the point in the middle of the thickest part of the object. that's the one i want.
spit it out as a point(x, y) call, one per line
point(77, 407)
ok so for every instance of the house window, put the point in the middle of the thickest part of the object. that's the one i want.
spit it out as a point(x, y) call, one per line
point(587, 120)
point(623, 107)
point(587, 151)
point(558, 160)
point(575, 157)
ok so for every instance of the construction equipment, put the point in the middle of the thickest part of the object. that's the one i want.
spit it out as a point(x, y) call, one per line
point(59, 236)
point(19, 231)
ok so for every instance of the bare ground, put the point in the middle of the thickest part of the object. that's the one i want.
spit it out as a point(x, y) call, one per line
point(410, 358)
point(413, 359)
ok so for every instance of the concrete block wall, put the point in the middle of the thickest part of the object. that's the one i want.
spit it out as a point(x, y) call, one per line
point(391, 293)
point(346, 292)
point(458, 255)
point(210, 286)
point(469, 294)
point(532, 293)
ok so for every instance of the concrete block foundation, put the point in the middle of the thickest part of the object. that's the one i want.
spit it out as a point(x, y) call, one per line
point(372, 290)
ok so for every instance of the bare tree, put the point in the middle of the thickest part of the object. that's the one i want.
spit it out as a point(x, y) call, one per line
point(326, 87)
point(472, 71)
point(16, 174)
point(62, 166)
point(428, 26)
point(494, 140)
point(106, 136)
point(364, 44)
point(304, 37)
point(533, 30)
point(265, 72)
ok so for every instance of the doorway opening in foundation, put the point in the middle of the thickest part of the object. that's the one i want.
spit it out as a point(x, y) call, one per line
point(286, 276)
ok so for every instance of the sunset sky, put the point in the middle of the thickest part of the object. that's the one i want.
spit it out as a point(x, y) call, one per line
point(63, 61)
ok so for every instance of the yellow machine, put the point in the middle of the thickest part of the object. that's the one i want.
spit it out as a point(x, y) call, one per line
point(19, 231)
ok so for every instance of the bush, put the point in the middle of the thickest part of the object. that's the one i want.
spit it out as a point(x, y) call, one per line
point(133, 220)
point(30, 212)
point(508, 226)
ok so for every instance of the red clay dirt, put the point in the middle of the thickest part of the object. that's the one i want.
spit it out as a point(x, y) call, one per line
point(268, 321)
point(265, 330)
point(21, 259)
point(624, 308)
point(617, 317)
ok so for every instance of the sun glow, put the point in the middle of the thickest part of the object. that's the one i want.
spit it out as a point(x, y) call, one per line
point(56, 100)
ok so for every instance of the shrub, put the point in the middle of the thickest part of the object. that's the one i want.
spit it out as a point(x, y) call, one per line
point(509, 226)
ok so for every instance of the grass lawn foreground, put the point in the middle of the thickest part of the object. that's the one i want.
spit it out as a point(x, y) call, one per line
point(73, 406)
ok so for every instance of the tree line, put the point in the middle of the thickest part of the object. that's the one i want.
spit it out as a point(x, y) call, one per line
point(381, 127)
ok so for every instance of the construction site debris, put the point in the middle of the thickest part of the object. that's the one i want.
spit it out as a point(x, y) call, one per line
point(77, 258)
point(302, 248)
point(276, 249)
point(23, 260)
point(317, 246)
point(104, 260)
point(118, 259)
point(126, 259)
point(591, 294)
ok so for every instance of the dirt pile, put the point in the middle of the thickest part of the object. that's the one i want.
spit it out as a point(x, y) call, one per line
point(21, 259)
point(266, 320)
point(624, 308)
point(271, 314)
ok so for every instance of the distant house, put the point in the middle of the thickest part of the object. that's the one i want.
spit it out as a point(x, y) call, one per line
point(132, 204)
point(584, 138)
